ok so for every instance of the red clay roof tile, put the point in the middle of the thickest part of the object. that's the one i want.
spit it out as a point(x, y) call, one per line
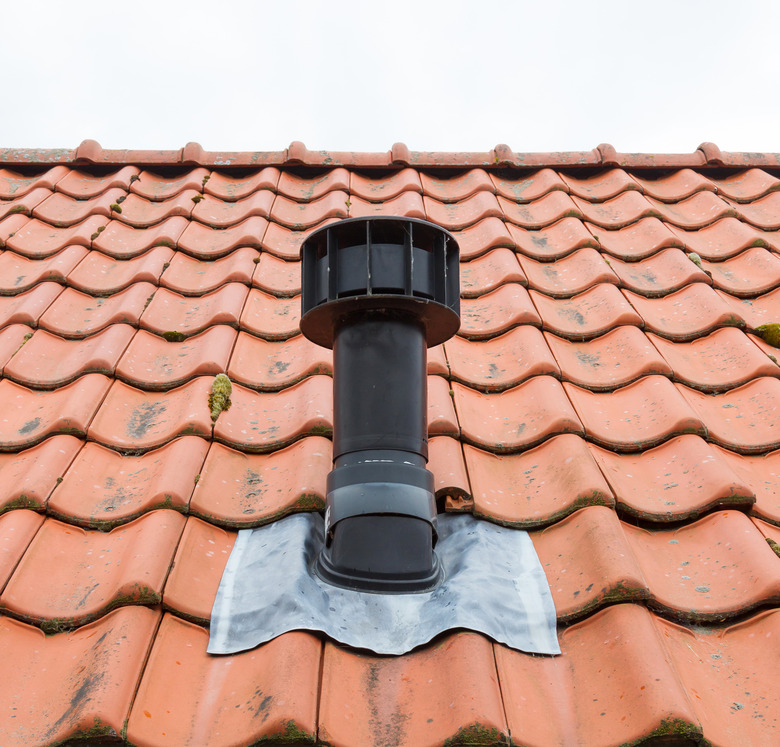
point(636, 240)
point(83, 186)
point(230, 188)
point(19, 273)
point(570, 275)
point(158, 188)
point(676, 186)
point(385, 187)
point(122, 241)
point(553, 242)
point(662, 273)
point(99, 275)
point(495, 312)
point(195, 277)
point(13, 184)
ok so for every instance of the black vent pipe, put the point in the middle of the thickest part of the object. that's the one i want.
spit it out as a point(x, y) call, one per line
point(379, 291)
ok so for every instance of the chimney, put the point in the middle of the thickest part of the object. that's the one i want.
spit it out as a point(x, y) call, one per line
point(379, 292)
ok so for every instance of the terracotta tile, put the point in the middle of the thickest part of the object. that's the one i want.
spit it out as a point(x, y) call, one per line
point(659, 275)
point(518, 418)
point(36, 239)
point(530, 188)
point(495, 312)
point(29, 416)
point(231, 188)
point(241, 490)
point(60, 210)
point(446, 692)
point(29, 307)
point(265, 421)
point(746, 186)
point(24, 204)
point(157, 188)
point(70, 576)
point(75, 314)
point(700, 210)
point(134, 421)
point(103, 488)
point(122, 241)
point(11, 340)
point(220, 214)
point(13, 184)
point(676, 185)
point(768, 531)
point(277, 276)
point(692, 312)
point(587, 315)
point(48, 361)
point(467, 212)
point(636, 241)
point(602, 186)
point(715, 568)
point(437, 362)
point(205, 242)
point(17, 528)
point(262, 364)
point(722, 360)
point(172, 312)
point(17, 273)
point(540, 213)
point(139, 212)
point(751, 273)
point(487, 272)
point(100, 275)
point(730, 673)
point(553, 242)
point(589, 562)
point(539, 486)
point(681, 479)
point(83, 186)
point(385, 187)
point(619, 212)
point(762, 475)
point(744, 419)
point(302, 189)
point(194, 277)
point(187, 696)
point(723, 239)
point(152, 362)
point(501, 362)
point(612, 360)
point(285, 243)
point(91, 677)
point(28, 477)
point(632, 689)
point(637, 416)
point(570, 275)
point(457, 188)
point(446, 463)
point(483, 236)
point(765, 347)
point(752, 311)
point(762, 213)
point(270, 317)
point(300, 216)
point(11, 225)
point(408, 204)
point(442, 420)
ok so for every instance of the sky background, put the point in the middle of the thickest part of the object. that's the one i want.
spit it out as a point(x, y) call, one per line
point(660, 76)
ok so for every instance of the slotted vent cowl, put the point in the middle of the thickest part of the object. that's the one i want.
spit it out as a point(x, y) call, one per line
point(380, 291)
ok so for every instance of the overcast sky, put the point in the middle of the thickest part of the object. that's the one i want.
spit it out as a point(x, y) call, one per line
point(658, 76)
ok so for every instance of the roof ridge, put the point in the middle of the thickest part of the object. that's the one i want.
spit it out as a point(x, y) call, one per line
point(707, 155)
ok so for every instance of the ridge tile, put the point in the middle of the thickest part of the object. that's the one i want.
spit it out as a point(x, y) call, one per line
point(28, 477)
point(445, 692)
point(100, 275)
point(103, 488)
point(71, 576)
point(121, 241)
point(29, 416)
point(187, 696)
point(18, 273)
point(91, 677)
point(154, 363)
point(637, 240)
point(242, 490)
point(539, 486)
point(38, 240)
point(496, 311)
point(517, 418)
point(586, 315)
point(570, 275)
point(637, 416)
point(47, 361)
point(680, 479)
point(615, 359)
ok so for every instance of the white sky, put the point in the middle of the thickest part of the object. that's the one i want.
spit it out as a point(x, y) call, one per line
point(658, 76)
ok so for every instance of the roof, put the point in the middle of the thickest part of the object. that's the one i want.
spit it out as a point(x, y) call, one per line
point(607, 392)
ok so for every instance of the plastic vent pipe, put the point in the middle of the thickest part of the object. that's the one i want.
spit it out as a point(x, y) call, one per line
point(380, 291)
